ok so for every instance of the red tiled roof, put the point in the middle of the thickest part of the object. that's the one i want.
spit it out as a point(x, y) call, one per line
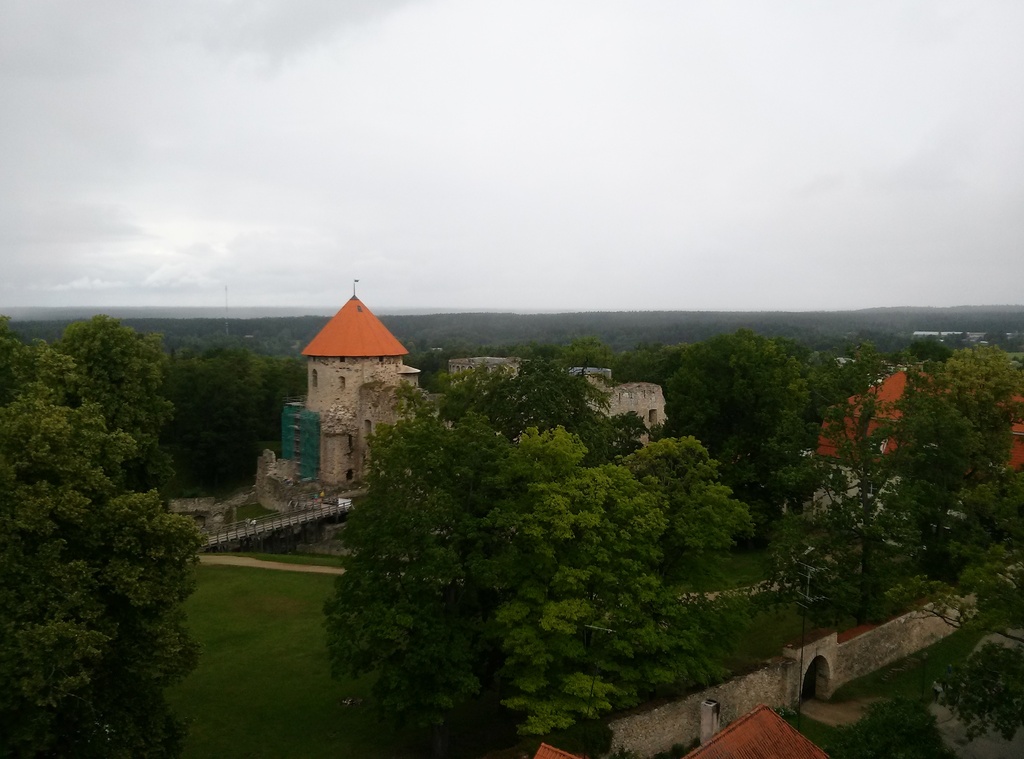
point(760, 734)
point(886, 393)
point(550, 752)
point(1017, 450)
point(354, 331)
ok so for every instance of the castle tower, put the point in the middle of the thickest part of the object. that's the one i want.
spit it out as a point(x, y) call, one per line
point(354, 366)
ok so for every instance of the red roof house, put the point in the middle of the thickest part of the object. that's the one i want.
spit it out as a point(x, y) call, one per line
point(886, 395)
point(760, 734)
point(550, 752)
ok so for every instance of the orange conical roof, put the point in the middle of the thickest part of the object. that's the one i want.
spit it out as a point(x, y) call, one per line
point(354, 331)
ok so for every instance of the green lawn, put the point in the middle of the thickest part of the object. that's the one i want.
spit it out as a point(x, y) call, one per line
point(262, 688)
point(816, 732)
point(738, 569)
point(765, 637)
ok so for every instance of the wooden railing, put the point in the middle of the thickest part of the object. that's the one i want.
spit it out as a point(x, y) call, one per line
point(250, 528)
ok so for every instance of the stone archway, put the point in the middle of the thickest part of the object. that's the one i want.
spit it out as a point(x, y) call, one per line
point(817, 679)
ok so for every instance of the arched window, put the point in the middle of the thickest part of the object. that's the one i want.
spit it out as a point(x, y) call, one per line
point(314, 378)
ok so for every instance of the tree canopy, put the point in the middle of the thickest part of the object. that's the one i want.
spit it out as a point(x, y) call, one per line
point(744, 397)
point(913, 480)
point(896, 729)
point(478, 559)
point(92, 575)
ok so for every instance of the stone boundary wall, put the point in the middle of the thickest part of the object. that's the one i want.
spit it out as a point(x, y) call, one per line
point(648, 732)
point(886, 644)
point(778, 683)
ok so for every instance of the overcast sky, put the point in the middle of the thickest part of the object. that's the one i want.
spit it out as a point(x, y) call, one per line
point(478, 154)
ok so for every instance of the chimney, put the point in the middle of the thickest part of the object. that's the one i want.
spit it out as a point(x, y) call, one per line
point(709, 720)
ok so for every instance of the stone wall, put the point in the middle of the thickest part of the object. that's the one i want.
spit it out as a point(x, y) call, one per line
point(777, 683)
point(207, 512)
point(887, 643)
point(658, 729)
point(644, 399)
point(352, 396)
point(490, 363)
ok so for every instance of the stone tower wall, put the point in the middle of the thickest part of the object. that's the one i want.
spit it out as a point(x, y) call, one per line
point(352, 396)
point(337, 381)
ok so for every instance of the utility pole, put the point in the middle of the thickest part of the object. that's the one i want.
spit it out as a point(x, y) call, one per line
point(804, 603)
point(587, 641)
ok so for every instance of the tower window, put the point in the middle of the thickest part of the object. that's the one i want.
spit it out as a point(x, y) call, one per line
point(314, 378)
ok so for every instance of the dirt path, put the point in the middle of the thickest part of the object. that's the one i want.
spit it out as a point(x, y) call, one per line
point(839, 712)
point(246, 561)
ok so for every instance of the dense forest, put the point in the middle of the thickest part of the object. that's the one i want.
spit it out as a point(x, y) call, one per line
point(887, 328)
point(226, 378)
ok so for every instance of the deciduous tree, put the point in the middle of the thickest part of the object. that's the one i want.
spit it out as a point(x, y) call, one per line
point(896, 729)
point(590, 620)
point(744, 397)
point(122, 373)
point(412, 604)
point(92, 577)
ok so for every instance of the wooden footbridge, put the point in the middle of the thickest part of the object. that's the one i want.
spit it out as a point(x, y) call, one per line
point(304, 513)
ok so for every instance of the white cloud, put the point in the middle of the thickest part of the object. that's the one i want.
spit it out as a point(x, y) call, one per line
point(84, 283)
point(558, 154)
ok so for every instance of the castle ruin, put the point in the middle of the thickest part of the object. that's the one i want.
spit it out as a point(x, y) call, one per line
point(353, 372)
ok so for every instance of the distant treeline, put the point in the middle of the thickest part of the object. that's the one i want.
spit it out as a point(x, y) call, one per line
point(890, 329)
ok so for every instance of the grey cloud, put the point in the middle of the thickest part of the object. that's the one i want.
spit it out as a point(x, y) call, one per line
point(274, 31)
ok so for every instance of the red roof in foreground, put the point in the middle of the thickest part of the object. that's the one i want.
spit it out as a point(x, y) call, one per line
point(550, 752)
point(354, 331)
point(760, 734)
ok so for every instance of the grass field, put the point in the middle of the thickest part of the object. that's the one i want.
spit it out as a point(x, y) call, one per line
point(817, 733)
point(263, 689)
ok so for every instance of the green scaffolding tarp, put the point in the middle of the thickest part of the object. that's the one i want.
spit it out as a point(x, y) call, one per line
point(300, 439)
point(289, 421)
point(309, 460)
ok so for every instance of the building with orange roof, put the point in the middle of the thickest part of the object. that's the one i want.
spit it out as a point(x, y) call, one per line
point(544, 751)
point(354, 368)
point(886, 395)
point(759, 734)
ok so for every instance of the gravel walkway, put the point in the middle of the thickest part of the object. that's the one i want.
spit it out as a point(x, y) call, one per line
point(247, 561)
